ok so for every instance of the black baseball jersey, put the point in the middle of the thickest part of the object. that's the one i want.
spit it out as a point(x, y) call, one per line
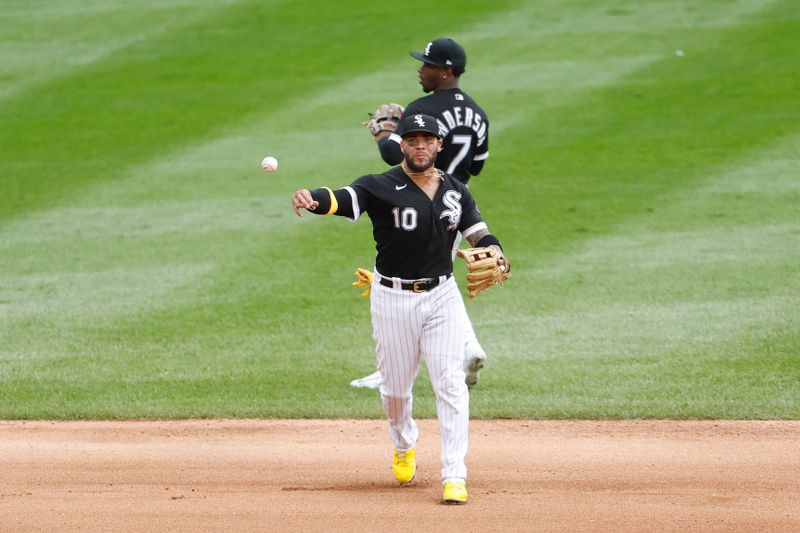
point(413, 234)
point(463, 126)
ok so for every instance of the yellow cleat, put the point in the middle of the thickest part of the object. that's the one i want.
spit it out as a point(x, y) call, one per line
point(404, 466)
point(455, 492)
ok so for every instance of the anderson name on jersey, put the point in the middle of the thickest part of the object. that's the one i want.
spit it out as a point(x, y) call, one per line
point(457, 116)
point(463, 126)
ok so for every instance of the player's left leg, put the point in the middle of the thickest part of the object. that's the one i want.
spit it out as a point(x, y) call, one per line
point(442, 345)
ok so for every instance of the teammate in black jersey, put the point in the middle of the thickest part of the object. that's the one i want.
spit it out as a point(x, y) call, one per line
point(463, 124)
point(464, 129)
point(415, 305)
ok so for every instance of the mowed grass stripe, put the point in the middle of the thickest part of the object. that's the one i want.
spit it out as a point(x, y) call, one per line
point(710, 310)
point(586, 165)
point(727, 296)
point(43, 41)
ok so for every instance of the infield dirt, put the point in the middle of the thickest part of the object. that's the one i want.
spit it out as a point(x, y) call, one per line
point(335, 475)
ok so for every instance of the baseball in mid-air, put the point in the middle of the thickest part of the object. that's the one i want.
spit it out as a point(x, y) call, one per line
point(269, 164)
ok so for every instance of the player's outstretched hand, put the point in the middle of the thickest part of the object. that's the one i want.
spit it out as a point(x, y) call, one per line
point(302, 200)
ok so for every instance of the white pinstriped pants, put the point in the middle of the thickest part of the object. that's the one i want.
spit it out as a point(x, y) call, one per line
point(405, 326)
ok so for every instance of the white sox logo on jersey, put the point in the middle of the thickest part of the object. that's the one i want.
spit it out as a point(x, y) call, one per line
point(453, 212)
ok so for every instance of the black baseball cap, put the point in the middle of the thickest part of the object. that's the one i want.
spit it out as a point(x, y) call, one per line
point(443, 53)
point(424, 123)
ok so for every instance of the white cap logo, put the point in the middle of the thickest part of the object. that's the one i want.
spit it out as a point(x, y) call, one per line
point(419, 120)
point(428, 49)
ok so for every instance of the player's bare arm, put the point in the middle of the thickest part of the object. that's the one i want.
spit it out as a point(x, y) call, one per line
point(475, 237)
point(382, 135)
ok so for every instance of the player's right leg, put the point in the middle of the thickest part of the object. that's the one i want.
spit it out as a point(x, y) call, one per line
point(396, 326)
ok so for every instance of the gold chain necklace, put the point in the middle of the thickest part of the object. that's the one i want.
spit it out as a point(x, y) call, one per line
point(432, 172)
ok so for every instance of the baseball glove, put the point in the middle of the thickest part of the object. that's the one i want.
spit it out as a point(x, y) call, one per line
point(385, 118)
point(363, 279)
point(485, 267)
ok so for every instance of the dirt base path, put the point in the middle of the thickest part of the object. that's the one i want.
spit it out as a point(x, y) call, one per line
point(335, 475)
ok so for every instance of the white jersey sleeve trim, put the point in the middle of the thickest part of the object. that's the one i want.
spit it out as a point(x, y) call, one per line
point(472, 229)
point(354, 200)
point(395, 137)
point(481, 157)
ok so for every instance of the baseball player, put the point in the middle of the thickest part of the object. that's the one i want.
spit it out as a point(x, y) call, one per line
point(465, 130)
point(416, 211)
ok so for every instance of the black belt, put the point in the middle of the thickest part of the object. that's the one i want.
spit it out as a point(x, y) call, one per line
point(421, 285)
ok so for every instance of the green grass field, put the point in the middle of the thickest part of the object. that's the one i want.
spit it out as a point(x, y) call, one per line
point(644, 178)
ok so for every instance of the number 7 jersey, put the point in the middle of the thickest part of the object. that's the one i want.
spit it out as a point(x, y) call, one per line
point(463, 126)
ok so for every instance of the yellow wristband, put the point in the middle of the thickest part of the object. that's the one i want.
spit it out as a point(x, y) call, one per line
point(334, 203)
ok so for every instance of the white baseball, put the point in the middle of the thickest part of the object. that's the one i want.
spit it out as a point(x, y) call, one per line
point(269, 164)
